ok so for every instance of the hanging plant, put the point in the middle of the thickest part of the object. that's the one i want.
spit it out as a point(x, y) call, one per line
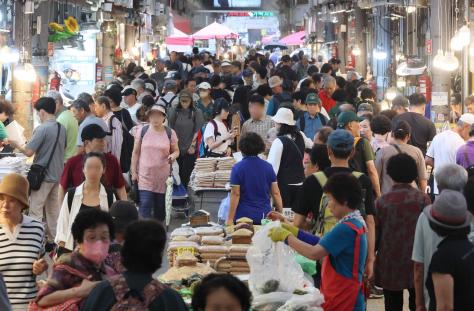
point(63, 32)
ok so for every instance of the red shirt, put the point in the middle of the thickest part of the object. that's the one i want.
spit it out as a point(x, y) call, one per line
point(73, 176)
point(327, 101)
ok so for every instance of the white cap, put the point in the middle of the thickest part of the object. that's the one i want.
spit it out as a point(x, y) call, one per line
point(275, 81)
point(150, 86)
point(204, 86)
point(159, 108)
point(225, 63)
point(467, 118)
point(284, 116)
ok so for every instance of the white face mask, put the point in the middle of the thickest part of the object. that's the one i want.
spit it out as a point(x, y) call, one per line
point(203, 94)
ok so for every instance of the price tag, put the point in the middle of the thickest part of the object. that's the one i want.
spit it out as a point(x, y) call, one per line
point(288, 213)
point(182, 250)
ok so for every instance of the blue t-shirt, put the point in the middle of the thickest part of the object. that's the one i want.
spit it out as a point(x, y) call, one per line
point(311, 125)
point(255, 177)
point(339, 243)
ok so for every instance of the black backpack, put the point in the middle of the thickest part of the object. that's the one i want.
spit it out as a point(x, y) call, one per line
point(127, 145)
point(303, 122)
point(72, 191)
point(167, 103)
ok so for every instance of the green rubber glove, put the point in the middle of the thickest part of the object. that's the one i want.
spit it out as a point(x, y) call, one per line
point(278, 234)
point(293, 229)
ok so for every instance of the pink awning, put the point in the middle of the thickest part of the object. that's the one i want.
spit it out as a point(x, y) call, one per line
point(215, 31)
point(179, 38)
point(296, 38)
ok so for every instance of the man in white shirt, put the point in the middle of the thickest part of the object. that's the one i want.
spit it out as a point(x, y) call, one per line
point(129, 95)
point(445, 145)
point(170, 99)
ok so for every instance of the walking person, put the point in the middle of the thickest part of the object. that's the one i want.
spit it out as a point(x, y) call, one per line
point(217, 136)
point(103, 110)
point(47, 145)
point(156, 147)
point(397, 214)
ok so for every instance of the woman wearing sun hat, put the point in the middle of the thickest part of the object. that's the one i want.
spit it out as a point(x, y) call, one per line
point(156, 147)
point(286, 156)
point(21, 242)
point(450, 280)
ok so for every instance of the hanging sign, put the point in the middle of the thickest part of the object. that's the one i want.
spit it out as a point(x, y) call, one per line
point(429, 47)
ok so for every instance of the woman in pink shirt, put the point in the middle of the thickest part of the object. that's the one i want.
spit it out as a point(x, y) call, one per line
point(156, 146)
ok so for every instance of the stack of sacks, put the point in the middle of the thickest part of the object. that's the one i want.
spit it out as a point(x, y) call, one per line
point(205, 165)
point(225, 164)
point(173, 247)
point(205, 231)
point(211, 253)
point(204, 180)
point(238, 263)
point(221, 179)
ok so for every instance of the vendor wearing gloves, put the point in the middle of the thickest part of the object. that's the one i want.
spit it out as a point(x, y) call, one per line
point(344, 248)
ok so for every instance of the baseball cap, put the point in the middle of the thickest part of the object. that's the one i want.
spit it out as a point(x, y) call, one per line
point(346, 117)
point(340, 140)
point(92, 131)
point(274, 81)
point(123, 213)
point(226, 63)
point(204, 86)
point(128, 90)
point(170, 84)
point(365, 107)
point(467, 118)
point(247, 73)
point(185, 93)
point(312, 99)
point(157, 107)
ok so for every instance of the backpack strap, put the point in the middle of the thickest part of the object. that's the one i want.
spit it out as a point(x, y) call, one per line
point(110, 196)
point(302, 122)
point(356, 140)
point(121, 289)
point(70, 196)
point(322, 118)
point(359, 232)
point(168, 133)
point(321, 178)
point(397, 147)
point(216, 129)
point(144, 130)
point(357, 174)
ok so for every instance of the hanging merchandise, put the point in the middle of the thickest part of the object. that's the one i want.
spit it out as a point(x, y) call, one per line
point(69, 30)
point(55, 82)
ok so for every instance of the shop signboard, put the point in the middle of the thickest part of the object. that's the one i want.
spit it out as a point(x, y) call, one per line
point(439, 98)
point(429, 47)
point(229, 4)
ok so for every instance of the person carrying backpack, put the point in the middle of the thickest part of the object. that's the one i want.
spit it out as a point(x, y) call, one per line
point(217, 138)
point(312, 120)
point(136, 289)
point(170, 99)
point(156, 147)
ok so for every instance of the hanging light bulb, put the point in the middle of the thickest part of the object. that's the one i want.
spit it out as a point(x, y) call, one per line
point(456, 43)
point(411, 9)
point(356, 50)
point(464, 34)
point(451, 63)
point(25, 72)
point(438, 60)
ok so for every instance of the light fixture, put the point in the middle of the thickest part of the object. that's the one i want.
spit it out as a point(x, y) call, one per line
point(438, 60)
point(379, 54)
point(391, 94)
point(401, 83)
point(9, 55)
point(451, 63)
point(356, 50)
point(25, 72)
point(456, 43)
point(411, 9)
point(135, 52)
point(464, 34)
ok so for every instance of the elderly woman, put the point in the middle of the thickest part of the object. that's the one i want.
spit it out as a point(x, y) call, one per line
point(142, 254)
point(76, 274)
point(343, 249)
point(253, 181)
point(90, 194)
point(21, 242)
point(450, 281)
point(156, 147)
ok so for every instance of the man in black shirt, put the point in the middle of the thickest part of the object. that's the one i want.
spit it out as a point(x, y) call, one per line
point(284, 70)
point(340, 148)
point(422, 129)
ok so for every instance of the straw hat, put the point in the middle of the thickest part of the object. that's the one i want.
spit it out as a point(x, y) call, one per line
point(15, 186)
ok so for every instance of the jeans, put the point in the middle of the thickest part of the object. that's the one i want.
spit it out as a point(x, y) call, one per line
point(394, 299)
point(152, 205)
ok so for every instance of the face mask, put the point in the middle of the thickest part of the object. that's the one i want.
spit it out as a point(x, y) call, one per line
point(203, 94)
point(95, 251)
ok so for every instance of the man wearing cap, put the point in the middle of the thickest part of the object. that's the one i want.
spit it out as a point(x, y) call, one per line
point(279, 96)
point(312, 119)
point(198, 69)
point(284, 70)
point(259, 122)
point(93, 137)
point(325, 94)
point(226, 67)
point(422, 129)
point(48, 142)
point(301, 67)
point(66, 118)
point(363, 157)
point(364, 109)
point(170, 99)
point(159, 75)
point(205, 103)
point(444, 147)
point(129, 95)
point(340, 148)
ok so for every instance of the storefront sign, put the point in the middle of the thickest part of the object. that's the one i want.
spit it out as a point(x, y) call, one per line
point(251, 14)
point(439, 99)
point(429, 47)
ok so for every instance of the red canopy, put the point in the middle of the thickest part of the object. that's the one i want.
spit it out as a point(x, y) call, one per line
point(296, 38)
point(215, 31)
point(179, 38)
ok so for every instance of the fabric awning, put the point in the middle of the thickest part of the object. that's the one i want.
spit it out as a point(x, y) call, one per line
point(179, 38)
point(296, 38)
point(215, 31)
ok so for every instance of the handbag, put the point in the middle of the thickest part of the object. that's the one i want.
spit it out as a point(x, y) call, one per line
point(72, 304)
point(37, 172)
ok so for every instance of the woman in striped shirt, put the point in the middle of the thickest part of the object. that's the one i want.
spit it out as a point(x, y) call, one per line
point(21, 243)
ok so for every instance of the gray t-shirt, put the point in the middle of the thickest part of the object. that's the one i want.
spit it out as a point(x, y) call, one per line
point(91, 119)
point(42, 143)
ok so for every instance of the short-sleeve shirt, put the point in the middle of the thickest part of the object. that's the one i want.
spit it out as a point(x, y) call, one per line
point(73, 175)
point(222, 130)
point(465, 155)
point(455, 256)
point(90, 119)
point(3, 131)
point(312, 193)
point(206, 111)
point(384, 154)
point(339, 243)
point(443, 150)
point(66, 118)
point(422, 129)
point(362, 154)
point(153, 166)
point(42, 143)
point(255, 177)
point(133, 111)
